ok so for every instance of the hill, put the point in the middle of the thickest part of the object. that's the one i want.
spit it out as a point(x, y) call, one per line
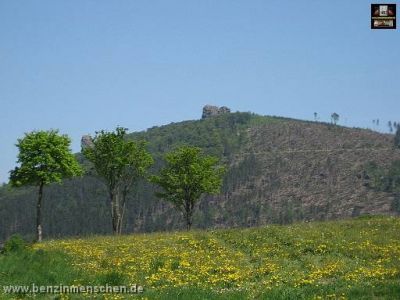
point(279, 171)
point(348, 259)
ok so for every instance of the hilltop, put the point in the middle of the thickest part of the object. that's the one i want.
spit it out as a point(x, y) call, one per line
point(349, 259)
point(280, 170)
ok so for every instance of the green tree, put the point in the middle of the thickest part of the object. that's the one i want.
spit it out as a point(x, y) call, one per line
point(390, 126)
point(44, 158)
point(120, 163)
point(188, 175)
point(397, 138)
point(335, 118)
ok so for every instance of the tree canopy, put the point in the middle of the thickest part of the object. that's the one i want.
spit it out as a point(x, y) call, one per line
point(188, 175)
point(119, 162)
point(335, 118)
point(44, 157)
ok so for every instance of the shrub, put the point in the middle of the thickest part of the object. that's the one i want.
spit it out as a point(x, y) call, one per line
point(14, 244)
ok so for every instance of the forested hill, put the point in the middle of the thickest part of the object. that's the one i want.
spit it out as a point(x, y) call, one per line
point(279, 171)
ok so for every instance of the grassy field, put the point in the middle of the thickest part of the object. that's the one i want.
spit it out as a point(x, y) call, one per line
point(350, 259)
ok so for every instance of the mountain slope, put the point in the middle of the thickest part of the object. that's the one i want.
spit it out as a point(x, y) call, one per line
point(279, 171)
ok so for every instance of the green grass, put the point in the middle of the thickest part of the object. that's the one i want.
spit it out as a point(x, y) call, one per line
point(349, 259)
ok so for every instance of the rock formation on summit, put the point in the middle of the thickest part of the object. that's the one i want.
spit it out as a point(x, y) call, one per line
point(86, 142)
point(210, 111)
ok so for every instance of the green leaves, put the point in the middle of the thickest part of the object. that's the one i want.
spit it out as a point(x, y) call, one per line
point(116, 159)
point(119, 162)
point(187, 175)
point(44, 157)
point(384, 179)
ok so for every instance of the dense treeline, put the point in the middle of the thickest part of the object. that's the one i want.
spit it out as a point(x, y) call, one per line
point(79, 206)
point(277, 187)
point(385, 180)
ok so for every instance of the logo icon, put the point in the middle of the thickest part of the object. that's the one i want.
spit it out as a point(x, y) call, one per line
point(383, 16)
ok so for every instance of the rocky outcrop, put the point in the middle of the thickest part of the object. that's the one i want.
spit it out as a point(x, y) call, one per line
point(86, 142)
point(211, 111)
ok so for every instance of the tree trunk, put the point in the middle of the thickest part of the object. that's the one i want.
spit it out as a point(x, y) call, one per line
point(188, 224)
point(188, 215)
point(122, 212)
point(118, 211)
point(115, 212)
point(39, 214)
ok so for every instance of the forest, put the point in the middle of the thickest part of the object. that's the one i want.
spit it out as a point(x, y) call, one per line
point(266, 162)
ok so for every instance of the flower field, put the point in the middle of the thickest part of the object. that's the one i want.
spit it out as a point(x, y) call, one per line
point(351, 259)
point(248, 261)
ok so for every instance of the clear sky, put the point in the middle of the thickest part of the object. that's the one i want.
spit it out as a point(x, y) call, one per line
point(82, 66)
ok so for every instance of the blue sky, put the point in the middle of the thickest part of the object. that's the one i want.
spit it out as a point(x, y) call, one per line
point(82, 66)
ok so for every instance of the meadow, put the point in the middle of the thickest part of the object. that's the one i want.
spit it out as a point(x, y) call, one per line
point(347, 259)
